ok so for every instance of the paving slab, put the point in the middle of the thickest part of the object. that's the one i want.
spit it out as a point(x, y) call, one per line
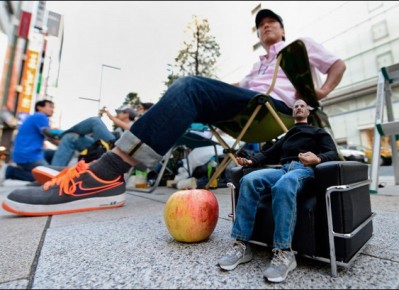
point(19, 242)
point(138, 252)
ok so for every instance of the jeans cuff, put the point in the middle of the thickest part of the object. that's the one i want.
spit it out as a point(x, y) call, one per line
point(140, 151)
point(282, 245)
point(240, 236)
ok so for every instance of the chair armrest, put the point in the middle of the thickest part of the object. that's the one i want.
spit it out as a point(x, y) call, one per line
point(340, 173)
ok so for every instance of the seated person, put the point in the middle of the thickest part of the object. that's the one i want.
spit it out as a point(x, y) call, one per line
point(142, 108)
point(28, 150)
point(299, 151)
point(83, 135)
point(86, 132)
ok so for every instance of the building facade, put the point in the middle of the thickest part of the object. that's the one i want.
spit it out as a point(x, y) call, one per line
point(30, 52)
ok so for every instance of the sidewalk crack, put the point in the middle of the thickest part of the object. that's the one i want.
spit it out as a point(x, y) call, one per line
point(37, 254)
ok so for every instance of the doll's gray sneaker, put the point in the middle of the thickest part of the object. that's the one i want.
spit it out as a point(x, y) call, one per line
point(280, 265)
point(239, 253)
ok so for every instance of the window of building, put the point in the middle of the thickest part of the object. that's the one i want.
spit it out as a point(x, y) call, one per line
point(384, 59)
point(379, 30)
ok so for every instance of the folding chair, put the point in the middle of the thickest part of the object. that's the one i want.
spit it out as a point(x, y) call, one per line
point(260, 121)
point(194, 137)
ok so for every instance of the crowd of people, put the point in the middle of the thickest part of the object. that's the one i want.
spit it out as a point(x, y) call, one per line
point(188, 100)
point(29, 149)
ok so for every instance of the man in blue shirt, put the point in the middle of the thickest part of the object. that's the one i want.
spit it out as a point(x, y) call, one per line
point(28, 149)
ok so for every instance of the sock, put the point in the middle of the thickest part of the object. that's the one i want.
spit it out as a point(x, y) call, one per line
point(109, 166)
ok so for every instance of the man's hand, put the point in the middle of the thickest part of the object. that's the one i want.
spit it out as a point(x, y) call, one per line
point(244, 161)
point(309, 158)
point(102, 111)
point(105, 111)
point(53, 141)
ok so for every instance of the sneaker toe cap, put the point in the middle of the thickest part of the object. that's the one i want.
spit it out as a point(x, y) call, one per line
point(30, 196)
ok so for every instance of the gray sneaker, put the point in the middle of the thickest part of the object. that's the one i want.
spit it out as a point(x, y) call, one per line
point(238, 254)
point(281, 264)
point(75, 189)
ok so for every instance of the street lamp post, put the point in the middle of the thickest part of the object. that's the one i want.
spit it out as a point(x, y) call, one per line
point(101, 80)
point(101, 83)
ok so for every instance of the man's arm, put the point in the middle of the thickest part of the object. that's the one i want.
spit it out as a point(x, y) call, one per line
point(116, 121)
point(268, 156)
point(49, 136)
point(53, 141)
point(334, 77)
point(327, 150)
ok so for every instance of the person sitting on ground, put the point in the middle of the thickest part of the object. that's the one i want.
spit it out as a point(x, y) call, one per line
point(88, 131)
point(299, 151)
point(142, 108)
point(123, 119)
point(82, 136)
point(28, 147)
point(188, 100)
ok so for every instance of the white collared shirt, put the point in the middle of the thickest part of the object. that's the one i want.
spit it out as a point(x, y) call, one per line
point(260, 77)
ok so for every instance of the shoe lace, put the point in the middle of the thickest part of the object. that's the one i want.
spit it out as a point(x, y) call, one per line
point(64, 179)
point(237, 249)
point(280, 257)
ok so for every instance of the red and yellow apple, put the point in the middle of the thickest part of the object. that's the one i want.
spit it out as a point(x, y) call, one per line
point(191, 215)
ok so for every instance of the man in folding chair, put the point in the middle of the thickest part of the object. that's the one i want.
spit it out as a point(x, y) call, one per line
point(303, 147)
point(101, 185)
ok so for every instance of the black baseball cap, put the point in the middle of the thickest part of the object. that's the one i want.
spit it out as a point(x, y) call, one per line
point(267, 13)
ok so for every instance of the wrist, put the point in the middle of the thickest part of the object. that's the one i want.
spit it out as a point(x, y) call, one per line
point(325, 90)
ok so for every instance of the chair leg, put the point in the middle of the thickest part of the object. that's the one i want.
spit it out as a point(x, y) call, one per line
point(276, 117)
point(331, 232)
point(230, 155)
point(233, 201)
point(219, 170)
point(159, 177)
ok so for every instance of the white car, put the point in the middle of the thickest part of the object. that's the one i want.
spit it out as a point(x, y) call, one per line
point(353, 155)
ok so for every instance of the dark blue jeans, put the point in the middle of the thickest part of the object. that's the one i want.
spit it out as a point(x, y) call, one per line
point(283, 184)
point(188, 100)
point(78, 138)
point(23, 171)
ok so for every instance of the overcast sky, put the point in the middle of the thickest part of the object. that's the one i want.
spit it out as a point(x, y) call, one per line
point(142, 37)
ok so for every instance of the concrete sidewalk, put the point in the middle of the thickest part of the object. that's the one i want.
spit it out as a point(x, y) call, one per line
point(130, 247)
